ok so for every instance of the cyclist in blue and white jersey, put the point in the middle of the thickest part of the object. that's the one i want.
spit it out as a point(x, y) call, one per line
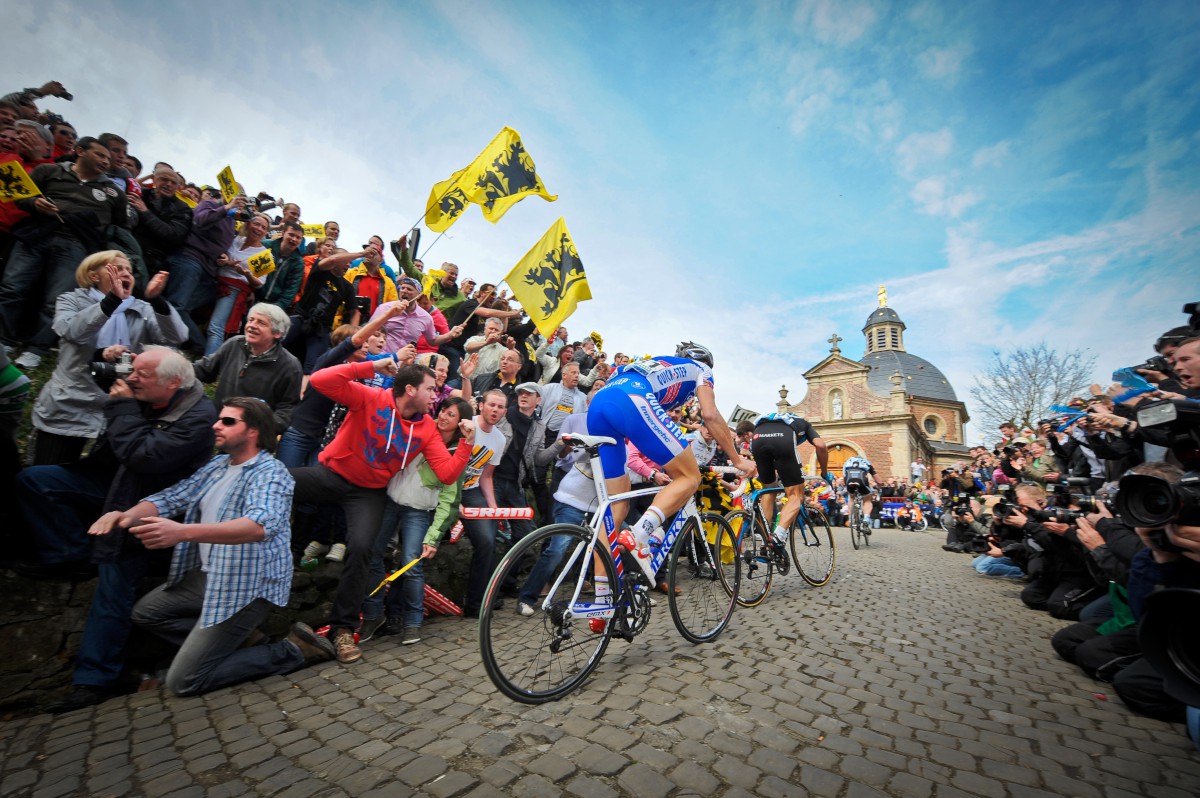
point(857, 473)
point(634, 405)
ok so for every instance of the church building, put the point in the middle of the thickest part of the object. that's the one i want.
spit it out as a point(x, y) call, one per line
point(890, 406)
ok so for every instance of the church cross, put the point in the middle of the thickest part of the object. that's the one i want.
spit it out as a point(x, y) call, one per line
point(834, 340)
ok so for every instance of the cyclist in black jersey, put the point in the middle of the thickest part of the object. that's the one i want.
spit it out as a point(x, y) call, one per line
point(775, 448)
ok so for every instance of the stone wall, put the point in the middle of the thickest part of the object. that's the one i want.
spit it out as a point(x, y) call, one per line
point(42, 623)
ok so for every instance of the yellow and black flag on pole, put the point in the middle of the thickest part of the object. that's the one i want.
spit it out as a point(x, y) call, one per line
point(446, 203)
point(549, 281)
point(499, 177)
point(15, 182)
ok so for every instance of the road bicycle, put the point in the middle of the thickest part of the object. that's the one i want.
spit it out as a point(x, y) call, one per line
point(860, 527)
point(809, 538)
point(546, 656)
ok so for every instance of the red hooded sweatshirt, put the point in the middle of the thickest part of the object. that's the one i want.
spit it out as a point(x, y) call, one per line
point(374, 442)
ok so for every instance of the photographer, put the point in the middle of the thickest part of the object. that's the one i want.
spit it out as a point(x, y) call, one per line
point(1171, 559)
point(1105, 639)
point(965, 530)
point(326, 295)
point(1061, 583)
point(372, 287)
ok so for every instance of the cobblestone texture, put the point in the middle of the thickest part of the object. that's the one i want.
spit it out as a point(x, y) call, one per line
point(894, 679)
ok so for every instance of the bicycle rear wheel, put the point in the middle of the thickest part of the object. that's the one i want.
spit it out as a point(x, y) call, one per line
point(757, 567)
point(812, 545)
point(855, 524)
point(545, 656)
point(700, 571)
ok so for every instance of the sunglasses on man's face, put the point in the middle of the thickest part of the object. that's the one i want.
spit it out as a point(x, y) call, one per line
point(229, 421)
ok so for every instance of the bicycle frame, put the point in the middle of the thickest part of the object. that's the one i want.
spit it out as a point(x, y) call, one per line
point(602, 520)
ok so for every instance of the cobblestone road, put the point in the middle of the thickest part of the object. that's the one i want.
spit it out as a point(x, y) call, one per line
point(906, 675)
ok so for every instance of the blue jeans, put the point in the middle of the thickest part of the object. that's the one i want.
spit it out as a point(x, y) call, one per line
point(52, 264)
point(405, 598)
point(482, 533)
point(189, 288)
point(102, 650)
point(509, 493)
point(297, 449)
point(222, 310)
point(996, 566)
point(211, 657)
point(551, 554)
point(1098, 611)
point(59, 504)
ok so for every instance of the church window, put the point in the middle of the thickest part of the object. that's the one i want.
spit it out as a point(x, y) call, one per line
point(895, 338)
point(932, 427)
point(879, 340)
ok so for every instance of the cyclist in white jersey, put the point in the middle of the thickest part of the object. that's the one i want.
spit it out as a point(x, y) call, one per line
point(634, 405)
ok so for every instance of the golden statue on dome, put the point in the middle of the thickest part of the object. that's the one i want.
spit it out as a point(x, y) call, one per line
point(882, 296)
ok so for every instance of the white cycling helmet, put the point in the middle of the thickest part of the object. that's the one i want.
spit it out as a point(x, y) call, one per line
point(694, 351)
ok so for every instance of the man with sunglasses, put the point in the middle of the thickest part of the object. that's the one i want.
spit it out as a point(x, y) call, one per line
point(232, 563)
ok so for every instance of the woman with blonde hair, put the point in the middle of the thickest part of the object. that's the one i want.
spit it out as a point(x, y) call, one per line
point(98, 321)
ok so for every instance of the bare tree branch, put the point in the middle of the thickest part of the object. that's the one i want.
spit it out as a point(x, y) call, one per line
point(1021, 385)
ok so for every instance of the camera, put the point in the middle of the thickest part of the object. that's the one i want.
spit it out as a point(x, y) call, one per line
point(362, 304)
point(1149, 501)
point(1059, 515)
point(1157, 363)
point(105, 373)
point(260, 203)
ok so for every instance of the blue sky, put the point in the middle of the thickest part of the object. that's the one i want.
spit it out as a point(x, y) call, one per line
point(742, 174)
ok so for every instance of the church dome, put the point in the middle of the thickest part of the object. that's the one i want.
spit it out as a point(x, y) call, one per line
point(921, 378)
point(883, 315)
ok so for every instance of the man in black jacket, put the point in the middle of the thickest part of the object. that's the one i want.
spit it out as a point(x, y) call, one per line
point(163, 220)
point(159, 432)
point(67, 222)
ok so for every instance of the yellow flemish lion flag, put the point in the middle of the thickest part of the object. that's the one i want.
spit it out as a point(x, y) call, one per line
point(549, 281)
point(261, 264)
point(499, 177)
point(446, 203)
point(15, 182)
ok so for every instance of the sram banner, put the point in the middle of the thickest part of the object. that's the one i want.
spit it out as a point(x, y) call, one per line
point(516, 513)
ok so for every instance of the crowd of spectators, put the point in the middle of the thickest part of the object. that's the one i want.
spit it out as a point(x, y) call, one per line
point(355, 398)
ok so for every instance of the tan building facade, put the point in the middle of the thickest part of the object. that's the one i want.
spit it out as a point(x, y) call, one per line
point(891, 406)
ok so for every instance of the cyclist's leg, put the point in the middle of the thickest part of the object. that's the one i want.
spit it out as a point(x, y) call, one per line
point(651, 430)
point(764, 458)
point(795, 497)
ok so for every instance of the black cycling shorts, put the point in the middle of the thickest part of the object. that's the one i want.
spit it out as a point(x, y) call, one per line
point(774, 450)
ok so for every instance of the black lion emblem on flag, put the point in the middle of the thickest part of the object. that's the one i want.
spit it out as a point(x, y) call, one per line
point(558, 272)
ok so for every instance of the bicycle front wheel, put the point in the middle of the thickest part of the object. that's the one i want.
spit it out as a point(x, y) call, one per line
point(543, 657)
point(758, 570)
point(813, 551)
point(699, 570)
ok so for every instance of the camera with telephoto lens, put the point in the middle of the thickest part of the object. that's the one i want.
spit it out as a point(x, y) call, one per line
point(1146, 500)
point(105, 373)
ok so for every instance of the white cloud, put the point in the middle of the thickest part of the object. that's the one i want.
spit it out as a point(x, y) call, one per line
point(934, 197)
point(943, 63)
point(920, 150)
point(835, 22)
point(994, 155)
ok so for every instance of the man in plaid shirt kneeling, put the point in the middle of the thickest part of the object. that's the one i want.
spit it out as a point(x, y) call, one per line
point(232, 561)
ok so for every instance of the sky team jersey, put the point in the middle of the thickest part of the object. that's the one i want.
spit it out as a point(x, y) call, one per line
point(804, 430)
point(673, 380)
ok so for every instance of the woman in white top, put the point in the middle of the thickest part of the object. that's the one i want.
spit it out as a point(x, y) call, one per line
point(235, 281)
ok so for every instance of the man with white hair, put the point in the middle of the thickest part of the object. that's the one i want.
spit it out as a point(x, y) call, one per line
point(256, 364)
